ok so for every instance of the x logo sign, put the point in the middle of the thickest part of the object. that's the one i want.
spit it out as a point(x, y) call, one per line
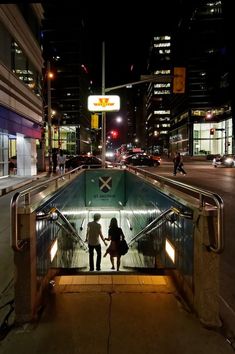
point(105, 183)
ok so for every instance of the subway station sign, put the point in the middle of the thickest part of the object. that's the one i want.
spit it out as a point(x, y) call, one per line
point(105, 188)
point(103, 103)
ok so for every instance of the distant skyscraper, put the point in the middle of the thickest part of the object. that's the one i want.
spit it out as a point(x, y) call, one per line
point(200, 45)
point(157, 101)
point(64, 41)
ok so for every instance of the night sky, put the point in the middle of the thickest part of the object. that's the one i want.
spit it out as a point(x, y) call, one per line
point(126, 28)
point(127, 32)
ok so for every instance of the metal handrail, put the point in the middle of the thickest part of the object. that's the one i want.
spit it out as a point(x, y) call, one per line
point(152, 224)
point(71, 228)
point(16, 244)
point(146, 229)
point(202, 195)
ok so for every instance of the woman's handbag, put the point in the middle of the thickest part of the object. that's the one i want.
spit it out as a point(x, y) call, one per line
point(123, 247)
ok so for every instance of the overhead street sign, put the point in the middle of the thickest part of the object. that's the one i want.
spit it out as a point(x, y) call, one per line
point(143, 79)
point(158, 78)
point(103, 103)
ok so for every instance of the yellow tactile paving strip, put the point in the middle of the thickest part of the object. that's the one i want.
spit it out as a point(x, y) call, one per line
point(111, 283)
point(111, 279)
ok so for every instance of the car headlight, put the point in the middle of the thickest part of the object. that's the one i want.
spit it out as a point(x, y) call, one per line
point(228, 160)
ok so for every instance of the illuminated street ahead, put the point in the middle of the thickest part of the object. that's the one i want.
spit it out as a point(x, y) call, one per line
point(221, 181)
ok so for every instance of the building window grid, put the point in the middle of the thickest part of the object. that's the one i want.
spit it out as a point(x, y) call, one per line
point(23, 69)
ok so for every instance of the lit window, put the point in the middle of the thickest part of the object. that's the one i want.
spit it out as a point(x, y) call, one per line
point(162, 72)
point(162, 112)
point(162, 38)
point(165, 85)
point(163, 92)
point(158, 45)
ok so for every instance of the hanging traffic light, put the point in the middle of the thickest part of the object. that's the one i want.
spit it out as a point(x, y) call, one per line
point(212, 131)
point(179, 80)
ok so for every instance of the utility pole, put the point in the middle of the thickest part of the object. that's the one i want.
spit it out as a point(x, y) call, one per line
point(103, 113)
point(49, 77)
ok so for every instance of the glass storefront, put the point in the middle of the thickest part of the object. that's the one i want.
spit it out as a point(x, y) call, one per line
point(212, 138)
point(3, 154)
point(63, 137)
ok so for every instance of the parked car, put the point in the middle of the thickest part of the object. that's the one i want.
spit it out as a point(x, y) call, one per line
point(139, 160)
point(156, 158)
point(80, 160)
point(224, 161)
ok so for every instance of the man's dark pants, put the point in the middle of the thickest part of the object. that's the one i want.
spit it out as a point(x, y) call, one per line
point(91, 256)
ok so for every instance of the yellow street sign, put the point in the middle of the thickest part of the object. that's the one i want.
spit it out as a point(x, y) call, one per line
point(179, 80)
point(94, 121)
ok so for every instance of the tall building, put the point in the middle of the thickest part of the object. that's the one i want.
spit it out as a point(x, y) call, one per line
point(158, 93)
point(201, 120)
point(64, 46)
point(20, 83)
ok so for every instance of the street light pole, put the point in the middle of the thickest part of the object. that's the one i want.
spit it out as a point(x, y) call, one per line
point(49, 77)
point(59, 133)
point(103, 113)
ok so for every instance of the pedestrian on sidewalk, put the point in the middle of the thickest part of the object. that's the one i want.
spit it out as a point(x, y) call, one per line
point(93, 235)
point(61, 159)
point(178, 164)
point(54, 159)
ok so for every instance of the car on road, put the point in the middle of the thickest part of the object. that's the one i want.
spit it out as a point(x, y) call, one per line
point(156, 158)
point(138, 160)
point(82, 160)
point(224, 161)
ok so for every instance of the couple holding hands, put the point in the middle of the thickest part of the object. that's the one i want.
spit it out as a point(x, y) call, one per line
point(115, 235)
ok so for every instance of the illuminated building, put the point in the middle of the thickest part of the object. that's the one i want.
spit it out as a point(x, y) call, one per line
point(20, 80)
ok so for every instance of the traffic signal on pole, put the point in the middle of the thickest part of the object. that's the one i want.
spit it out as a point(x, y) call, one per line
point(94, 121)
point(114, 134)
point(179, 80)
point(212, 131)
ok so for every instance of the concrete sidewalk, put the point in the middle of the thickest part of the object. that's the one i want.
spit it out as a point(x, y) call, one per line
point(12, 182)
point(113, 314)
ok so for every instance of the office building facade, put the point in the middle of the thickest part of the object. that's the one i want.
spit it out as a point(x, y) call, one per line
point(201, 119)
point(158, 95)
point(20, 86)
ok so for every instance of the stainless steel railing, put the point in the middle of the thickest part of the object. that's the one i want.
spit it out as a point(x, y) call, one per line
point(201, 195)
point(50, 184)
